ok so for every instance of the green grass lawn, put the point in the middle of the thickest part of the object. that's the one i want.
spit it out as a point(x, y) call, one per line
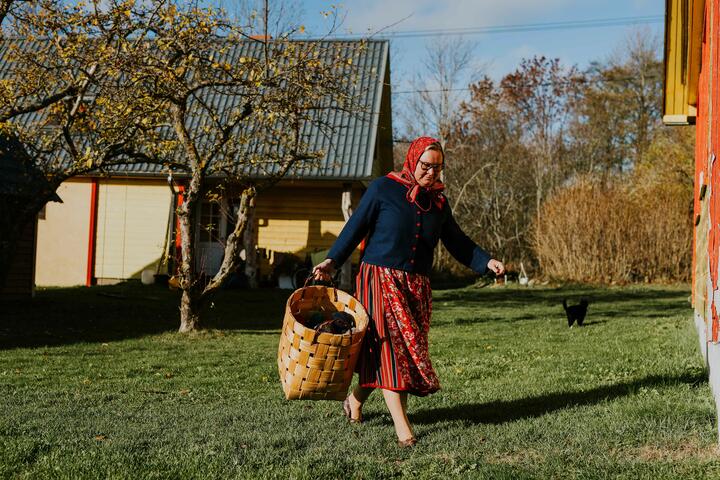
point(95, 383)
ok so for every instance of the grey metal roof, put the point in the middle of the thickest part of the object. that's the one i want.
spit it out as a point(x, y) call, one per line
point(349, 148)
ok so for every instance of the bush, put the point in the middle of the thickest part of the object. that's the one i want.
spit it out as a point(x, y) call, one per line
point(606, 233)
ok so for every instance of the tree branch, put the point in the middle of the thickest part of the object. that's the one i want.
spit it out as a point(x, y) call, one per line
point(233, 243)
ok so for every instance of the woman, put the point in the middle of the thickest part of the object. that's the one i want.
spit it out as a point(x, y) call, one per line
point(402, 216)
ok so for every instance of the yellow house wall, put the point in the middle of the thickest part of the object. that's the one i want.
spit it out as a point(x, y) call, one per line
point(132, 220)
point(683, 41)
point(674, 97)
point(300, 220)
point(131, 227)
point(62, 237)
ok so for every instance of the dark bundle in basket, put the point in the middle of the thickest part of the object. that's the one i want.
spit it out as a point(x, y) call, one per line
point(338, 323)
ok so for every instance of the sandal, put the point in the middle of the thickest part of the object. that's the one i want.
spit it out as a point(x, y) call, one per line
point(410, 442)
point(348, 411)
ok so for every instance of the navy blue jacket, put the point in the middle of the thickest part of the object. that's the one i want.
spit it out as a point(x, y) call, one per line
point(402, 236)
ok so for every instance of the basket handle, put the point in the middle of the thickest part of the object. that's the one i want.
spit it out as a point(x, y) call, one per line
point(311, 278)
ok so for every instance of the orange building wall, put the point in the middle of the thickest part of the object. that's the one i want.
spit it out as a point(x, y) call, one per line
point(708, 165)
point(701, 289)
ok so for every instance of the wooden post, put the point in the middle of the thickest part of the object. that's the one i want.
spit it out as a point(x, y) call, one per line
point(346, 206)
point(250, 241)
point(90, 273)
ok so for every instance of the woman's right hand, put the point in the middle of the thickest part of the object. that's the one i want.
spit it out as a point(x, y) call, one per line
point(324, 270)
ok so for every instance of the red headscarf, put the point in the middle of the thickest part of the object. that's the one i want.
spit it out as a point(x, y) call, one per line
point(407, 175)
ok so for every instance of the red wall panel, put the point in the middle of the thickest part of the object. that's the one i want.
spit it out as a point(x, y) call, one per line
point(712, 124)
point(708, 137)
point(701, 171)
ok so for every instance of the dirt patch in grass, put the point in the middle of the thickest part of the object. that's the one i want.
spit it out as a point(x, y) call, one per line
point(524, 457)
point(687, 451)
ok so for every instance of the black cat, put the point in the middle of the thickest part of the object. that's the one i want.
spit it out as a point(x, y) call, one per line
point(576, 313)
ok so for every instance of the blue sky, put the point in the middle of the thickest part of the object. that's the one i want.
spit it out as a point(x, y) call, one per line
point(496, 54)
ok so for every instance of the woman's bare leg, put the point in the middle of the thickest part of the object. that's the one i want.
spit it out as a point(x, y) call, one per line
point(357, 399)
point(397, 404)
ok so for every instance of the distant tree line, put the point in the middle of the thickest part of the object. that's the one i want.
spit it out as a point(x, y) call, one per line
point(569, 172)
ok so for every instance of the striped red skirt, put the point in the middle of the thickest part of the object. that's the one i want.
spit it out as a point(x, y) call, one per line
point(395, 352)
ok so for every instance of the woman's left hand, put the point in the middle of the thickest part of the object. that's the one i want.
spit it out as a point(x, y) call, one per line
point(496, 267)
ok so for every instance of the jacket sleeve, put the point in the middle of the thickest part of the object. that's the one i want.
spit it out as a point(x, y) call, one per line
point(357, 227)
point(461, 247)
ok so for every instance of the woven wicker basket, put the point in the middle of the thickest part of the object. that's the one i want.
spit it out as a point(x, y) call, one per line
point(313, 365)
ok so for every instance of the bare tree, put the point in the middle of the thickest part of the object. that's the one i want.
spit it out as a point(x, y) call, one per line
point(619, 109)
point(239, 120)
point(540, 94)
point(489, 189)
point(436, 90)
point(164, 82)
point(438, 87)
point(58, 111)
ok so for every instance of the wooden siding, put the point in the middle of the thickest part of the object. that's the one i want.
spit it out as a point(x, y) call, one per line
point(131, 227)
point(62, 238)
point(683, 46)
point(713, 84)
point(132, 217)
point(702, 289)
point(706, 255)
point(20, 280)
point(300, 220)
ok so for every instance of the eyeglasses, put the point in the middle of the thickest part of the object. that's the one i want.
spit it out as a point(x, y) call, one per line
point(425, 166)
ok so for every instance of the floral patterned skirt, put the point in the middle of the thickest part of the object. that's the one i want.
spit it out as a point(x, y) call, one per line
point(395, 353)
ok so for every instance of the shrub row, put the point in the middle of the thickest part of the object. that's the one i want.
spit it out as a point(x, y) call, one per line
point(595, 232)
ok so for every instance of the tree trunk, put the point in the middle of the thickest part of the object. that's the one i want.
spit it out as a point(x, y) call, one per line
point(195, 295)
point(189, 277)
point(189, 312)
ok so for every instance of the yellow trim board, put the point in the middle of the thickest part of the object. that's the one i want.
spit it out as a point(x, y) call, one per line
point(678, 120)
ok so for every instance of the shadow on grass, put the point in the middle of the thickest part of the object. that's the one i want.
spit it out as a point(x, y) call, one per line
point(110, 313)
point(555, 296)
point(130, 310)
point(616, 302)
point(504, 411)
point(594, 322)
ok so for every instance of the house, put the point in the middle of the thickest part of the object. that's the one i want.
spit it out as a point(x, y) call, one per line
point(18, 181)
point(692, 97)
point(111, 229)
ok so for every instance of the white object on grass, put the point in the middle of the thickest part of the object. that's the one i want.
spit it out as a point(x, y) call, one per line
point(147, 276)
point(523, 278)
